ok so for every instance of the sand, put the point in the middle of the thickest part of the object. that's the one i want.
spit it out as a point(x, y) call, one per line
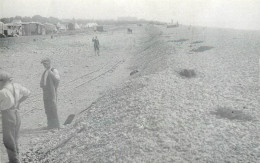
point(193, 96)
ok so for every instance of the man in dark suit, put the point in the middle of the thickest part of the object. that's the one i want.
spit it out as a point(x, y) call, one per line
point(49, 84)
point(96, 45)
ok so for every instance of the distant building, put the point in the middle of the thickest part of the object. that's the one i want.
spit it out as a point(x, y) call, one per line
point(95, 27)
point(81, 26)
point(76, 26)
point(70, 26)
point(127, 19)
point(50, 28)
point(99, 28)
point(13, 29)
point(91, 25)
point(33, 28)
point(17, 21)
point(61, 27)
point(2, 28)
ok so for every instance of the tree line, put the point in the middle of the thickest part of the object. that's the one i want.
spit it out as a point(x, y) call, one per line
point(53, 20)
point(35, 18)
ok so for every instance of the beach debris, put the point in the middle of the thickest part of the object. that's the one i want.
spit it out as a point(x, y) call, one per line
point(196, 42)
point(202, 48)
point(134, 72)
point(180, 40)
point(69, 119)
point(129, 31)
point(187, 73)
point(231, 114)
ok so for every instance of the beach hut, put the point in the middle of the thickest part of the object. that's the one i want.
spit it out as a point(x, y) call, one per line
point(70, 26)
point(2, 28)
point(50, 28)
point(61, 27)
point(76, 26)
point(81, 26)
point(98, 28)
point(13, 29)
point(91, 25)
point(33, 28)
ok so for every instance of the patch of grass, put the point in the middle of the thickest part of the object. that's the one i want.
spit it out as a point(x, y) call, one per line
point(231, 114)
point(202, 48)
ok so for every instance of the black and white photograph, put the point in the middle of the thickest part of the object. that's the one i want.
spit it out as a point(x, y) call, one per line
point(129, 81)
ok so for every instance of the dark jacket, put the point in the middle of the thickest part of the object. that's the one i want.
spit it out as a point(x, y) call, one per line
point(50, 89)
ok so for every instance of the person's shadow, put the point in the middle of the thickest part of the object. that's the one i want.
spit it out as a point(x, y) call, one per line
point(34, 131)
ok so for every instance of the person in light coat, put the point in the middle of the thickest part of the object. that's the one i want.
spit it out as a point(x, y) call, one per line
point(11, 96)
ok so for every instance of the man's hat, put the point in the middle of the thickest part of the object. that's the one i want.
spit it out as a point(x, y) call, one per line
point(45, 60)
point(5, 76)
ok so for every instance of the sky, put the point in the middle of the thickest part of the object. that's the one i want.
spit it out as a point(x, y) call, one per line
point(238, 14)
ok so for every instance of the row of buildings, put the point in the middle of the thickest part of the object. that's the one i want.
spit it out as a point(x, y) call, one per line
point(26, 28)
point(18, 28)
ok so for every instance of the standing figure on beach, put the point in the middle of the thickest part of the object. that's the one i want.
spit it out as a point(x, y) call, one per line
point(49, 84)
point(11, 96)
point(96, 45)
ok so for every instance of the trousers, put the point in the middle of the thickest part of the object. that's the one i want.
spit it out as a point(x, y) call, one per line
point(11, 123)
point(51, 113)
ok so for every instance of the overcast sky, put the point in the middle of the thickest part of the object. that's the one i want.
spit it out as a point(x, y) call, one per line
point(241, 14)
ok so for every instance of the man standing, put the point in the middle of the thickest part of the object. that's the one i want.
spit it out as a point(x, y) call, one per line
point(49, 84)
point(96, 45)
point(11, 95)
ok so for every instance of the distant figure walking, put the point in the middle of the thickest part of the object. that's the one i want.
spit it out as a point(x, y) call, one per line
point(49, 84)
point(129, 31)
point(11, 96)
point(96, 45)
